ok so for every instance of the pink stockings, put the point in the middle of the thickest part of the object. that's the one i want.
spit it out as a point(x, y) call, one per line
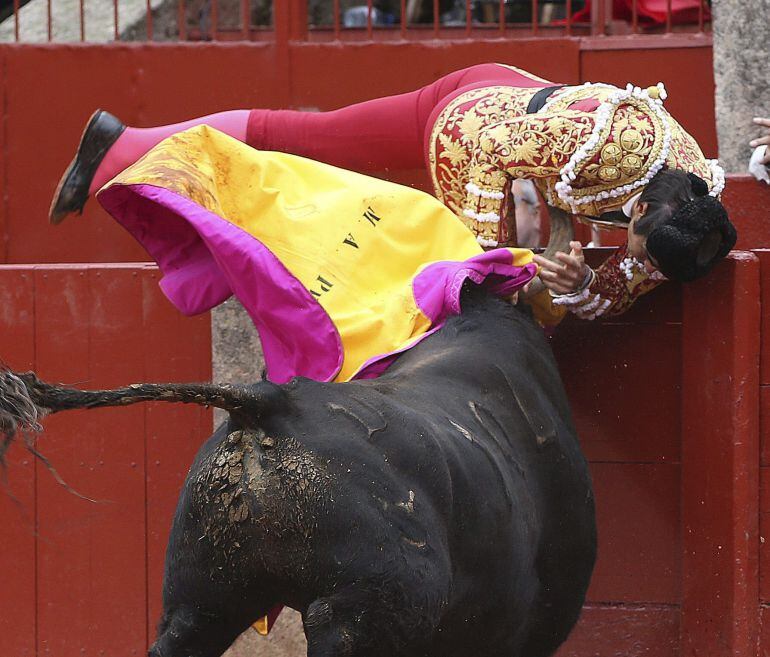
point(135, 142)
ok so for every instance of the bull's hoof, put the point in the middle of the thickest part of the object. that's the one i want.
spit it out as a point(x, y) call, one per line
point(102, 131)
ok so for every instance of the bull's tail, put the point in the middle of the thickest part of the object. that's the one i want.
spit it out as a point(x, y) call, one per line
point(25, 400)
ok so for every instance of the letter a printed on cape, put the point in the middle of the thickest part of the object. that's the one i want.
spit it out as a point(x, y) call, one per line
point(338, 271)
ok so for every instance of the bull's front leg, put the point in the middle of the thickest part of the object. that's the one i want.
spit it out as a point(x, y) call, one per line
point(330, 629)
point(340, 626)
point(374, 619)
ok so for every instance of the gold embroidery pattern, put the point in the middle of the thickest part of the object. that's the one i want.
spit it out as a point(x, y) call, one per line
point(630, 143)
point(685, 154)
point(535, 146)
point(530, 146)
point(454, 141)
point(628, 146)
point(481, 133)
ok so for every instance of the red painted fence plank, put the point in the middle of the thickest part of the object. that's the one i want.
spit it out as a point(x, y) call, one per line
point(764, 284)
point(174, 432)
point(612, 386)
point(764, 535)
point(764, 643)
point(64, 579)
point(80, 586)
point(17, 516)
point(720, 465)
point(630, 631)
point(764, 424)
point(91, 578)
point(116, 356)
point(638, 518)
point(4, 234)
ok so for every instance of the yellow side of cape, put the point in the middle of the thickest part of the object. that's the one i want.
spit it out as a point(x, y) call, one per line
point(353, 241)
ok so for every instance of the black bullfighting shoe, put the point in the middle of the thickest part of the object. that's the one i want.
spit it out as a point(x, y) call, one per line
point(102, 131)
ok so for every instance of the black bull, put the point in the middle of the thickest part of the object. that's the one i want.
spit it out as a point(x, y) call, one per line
point(442, 509)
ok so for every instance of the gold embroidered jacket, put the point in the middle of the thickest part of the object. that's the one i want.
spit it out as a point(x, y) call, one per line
point(589, 150)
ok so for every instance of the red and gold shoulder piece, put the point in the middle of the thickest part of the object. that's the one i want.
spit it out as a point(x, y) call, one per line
point(633, 138)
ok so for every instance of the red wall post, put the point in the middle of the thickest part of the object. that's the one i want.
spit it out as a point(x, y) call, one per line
point(720, 461)
point(290, 20)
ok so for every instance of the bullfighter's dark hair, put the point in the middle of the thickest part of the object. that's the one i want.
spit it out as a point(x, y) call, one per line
point(687, 230)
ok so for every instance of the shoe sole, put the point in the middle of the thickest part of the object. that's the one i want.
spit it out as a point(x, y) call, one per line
point(57, 214)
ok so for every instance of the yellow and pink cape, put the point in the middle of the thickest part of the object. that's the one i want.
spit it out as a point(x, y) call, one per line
point(339, 271)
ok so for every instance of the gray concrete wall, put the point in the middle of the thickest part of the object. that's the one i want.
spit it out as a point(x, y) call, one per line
point(235, 350)
point(742, 76)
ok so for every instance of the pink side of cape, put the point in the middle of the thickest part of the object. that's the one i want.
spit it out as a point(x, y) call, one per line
point(205, 259)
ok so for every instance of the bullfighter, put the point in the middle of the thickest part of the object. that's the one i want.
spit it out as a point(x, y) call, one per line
point(604, 154)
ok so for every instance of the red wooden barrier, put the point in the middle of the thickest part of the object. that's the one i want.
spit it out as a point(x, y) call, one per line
point(81, 576)
point(665, 398)
point(666, 403)
point(720, 464)
point(764, 498)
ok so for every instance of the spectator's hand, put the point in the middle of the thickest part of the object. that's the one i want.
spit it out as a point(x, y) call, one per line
point(567, 275)
point(762, 141)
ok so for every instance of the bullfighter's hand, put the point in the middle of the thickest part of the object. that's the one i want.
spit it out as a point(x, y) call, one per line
point(762, 141)
point(568, 274)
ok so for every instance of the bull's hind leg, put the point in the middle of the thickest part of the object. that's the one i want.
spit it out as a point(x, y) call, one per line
point(214, 584)
point(188, 632)
point(205, 609)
